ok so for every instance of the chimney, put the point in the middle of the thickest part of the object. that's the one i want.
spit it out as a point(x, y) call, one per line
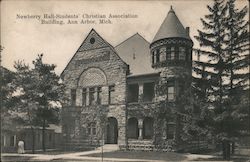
point(187, 31)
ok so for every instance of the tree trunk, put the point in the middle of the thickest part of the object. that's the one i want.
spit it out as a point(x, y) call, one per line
point(33, 140)
point(43, 136)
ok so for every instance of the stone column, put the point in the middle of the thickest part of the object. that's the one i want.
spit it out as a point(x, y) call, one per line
point(140, 99)
point(78, 97)
point(105, 95)
point(140, 126)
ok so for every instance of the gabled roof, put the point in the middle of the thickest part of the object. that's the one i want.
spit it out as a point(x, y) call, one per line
point(171, 27)
point(88, 44)
point(135, 52)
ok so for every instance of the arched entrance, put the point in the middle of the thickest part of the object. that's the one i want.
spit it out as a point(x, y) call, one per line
point(133, 131)
point(112, 131)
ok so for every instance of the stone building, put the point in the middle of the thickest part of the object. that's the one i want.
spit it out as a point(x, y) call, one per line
point(112, 91)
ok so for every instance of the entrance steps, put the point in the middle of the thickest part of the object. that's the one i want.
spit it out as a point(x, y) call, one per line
point(109, 147)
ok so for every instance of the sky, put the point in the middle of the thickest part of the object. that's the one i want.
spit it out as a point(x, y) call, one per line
point(24, 39)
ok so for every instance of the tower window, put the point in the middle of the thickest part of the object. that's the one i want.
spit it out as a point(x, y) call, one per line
point(153, 57)
point(73, 97)
point(181, 53)
point(157, 56)
point(163, 53)
point(172, 53)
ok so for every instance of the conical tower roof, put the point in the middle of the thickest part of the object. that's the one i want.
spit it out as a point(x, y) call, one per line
point(171, 27)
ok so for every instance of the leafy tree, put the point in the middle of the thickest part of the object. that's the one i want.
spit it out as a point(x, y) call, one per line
point(224, 41)
point(40, 94)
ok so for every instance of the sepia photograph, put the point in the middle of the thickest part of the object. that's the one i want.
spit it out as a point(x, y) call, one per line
point(125, 81)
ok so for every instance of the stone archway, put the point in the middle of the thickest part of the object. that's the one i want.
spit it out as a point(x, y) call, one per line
point(112, 131)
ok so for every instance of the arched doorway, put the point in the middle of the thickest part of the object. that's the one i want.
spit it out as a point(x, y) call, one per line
point(112, 131)
point(148, 129)
point(133, 131)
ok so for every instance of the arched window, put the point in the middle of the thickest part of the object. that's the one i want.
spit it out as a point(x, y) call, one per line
point(133, 131)
point(148, 130)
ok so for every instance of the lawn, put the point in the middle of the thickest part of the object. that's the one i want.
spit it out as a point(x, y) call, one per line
point(168, 156)
point(234, 158)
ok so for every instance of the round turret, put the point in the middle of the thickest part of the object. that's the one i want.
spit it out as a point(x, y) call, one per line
point(171, 45)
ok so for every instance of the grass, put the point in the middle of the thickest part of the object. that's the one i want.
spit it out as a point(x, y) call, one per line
point(234, 158)
point(15, 158)
point(169, 156)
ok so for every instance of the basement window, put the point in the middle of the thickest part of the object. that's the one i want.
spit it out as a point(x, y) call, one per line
point(148, 92)
point(133, 93)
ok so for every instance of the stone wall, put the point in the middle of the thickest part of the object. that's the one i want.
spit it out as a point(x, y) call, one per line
point(94, 65)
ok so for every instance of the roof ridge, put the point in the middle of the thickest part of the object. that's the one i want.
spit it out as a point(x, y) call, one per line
point(131, 37)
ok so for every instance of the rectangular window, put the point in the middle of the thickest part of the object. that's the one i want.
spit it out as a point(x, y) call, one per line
point(148, 91)
point(84, 97)
point(99, 97)
point(93, 131)
point(111, 94)
point(91, 96)
point(182, 53)
point(133, 93)
point(73, 97)
point(171, 91)
point(163, 53)
point(170, 130)
point(172, 53)
point(89, 130)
